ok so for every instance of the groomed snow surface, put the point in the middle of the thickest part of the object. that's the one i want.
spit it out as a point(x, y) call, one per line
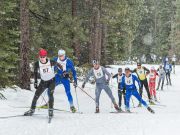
point(165, 121)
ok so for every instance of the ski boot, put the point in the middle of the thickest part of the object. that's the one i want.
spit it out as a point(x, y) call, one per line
point(97, 110)
point(50, 112)
point(155, 99)
point(151, 102)
point(29, 113)
point(150, 110)
point(73, 109)
point(45, 106)
point(139, 105)
point(117, 108)
point(128, 110)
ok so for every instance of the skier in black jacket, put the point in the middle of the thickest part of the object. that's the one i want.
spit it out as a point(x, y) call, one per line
point(45, 67)
point(121, 93)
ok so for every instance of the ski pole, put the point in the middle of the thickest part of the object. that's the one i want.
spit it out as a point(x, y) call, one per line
point(77, 99)
point(86, 93)
point(43, 99)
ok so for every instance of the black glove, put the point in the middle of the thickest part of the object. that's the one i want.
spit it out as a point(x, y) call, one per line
point(65, 74)
point(59, 66)
point(35, 85)
point(83, 85)
point(75, 83)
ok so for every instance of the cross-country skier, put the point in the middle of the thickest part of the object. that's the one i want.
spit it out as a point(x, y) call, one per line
point(152, 83)
point(142, 72)
point(45, 67)
point(162, 75)
point(121, 93)
point(128, 82)
point(168, 69)
point(62, 76)
point(99, 72)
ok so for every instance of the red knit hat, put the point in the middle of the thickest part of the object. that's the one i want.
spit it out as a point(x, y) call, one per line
point(42, 52)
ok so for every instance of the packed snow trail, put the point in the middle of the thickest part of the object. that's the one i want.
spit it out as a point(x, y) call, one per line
point(165, 121)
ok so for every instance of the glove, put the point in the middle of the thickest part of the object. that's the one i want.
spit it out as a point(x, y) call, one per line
point(60, 66)
point(107, 82)
point(83, 85)
point(75, 83)
point(65, 74)
point(35, 85)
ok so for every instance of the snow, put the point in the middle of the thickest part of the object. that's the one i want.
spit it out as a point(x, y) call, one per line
point(165, 121)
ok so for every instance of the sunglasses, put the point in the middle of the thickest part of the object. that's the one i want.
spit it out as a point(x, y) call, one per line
point(43, 57)
point(61, 55)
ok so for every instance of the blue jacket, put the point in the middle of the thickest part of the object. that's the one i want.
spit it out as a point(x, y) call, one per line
point(129, 83)
point(168, 67)
point(69, 67)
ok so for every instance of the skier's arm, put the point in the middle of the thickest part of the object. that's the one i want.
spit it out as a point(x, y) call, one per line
point(147, 70)
point(115, 76)
point(107, 73)
point(137, 80)
point(71, 64)
point(36, 67)
point(170, 67)
point(90, 73)
point(56, 64)
point(134, 71)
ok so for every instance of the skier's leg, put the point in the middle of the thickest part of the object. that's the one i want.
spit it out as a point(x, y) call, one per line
point(120, 97)
point(141, 88)
point(167, 79)
point(50, 93)
point(147, 89)
point(124, 96)
point(154, 91)
point(150, 89)
point(128, 96)
point(169, 75)
point(136, 94)
point(109, 93)
point(66, 84)
point(42, 86)
point(163, 78)
point(97, 94)
point(159, 82)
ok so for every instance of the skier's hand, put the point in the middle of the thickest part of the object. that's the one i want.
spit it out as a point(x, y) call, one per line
point(83, 85)
point(35, 85)
point(107, 82)
point(65, 74)
point(60, 66)
point(75, 83)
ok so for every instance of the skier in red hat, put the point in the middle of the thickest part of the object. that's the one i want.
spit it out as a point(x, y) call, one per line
point(45, 66)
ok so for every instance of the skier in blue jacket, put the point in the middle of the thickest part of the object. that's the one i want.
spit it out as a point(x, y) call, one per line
point(62, 76)
point(121, 93)
point(128, 82)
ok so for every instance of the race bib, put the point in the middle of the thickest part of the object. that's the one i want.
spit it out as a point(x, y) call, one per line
point(98, 73)
point(129, 80)
point(141, 74)
point(63, 63)
point(119, 78)
point(46, 71)
point(152, 76)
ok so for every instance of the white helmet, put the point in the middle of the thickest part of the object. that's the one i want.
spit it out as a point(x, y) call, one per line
point(61, 52)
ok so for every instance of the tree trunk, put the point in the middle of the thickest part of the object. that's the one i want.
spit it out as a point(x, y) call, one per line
point(95, 32)
point(75, 41)
point(24, 46)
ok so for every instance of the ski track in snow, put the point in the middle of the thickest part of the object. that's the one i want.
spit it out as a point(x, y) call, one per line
point(165, 121)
